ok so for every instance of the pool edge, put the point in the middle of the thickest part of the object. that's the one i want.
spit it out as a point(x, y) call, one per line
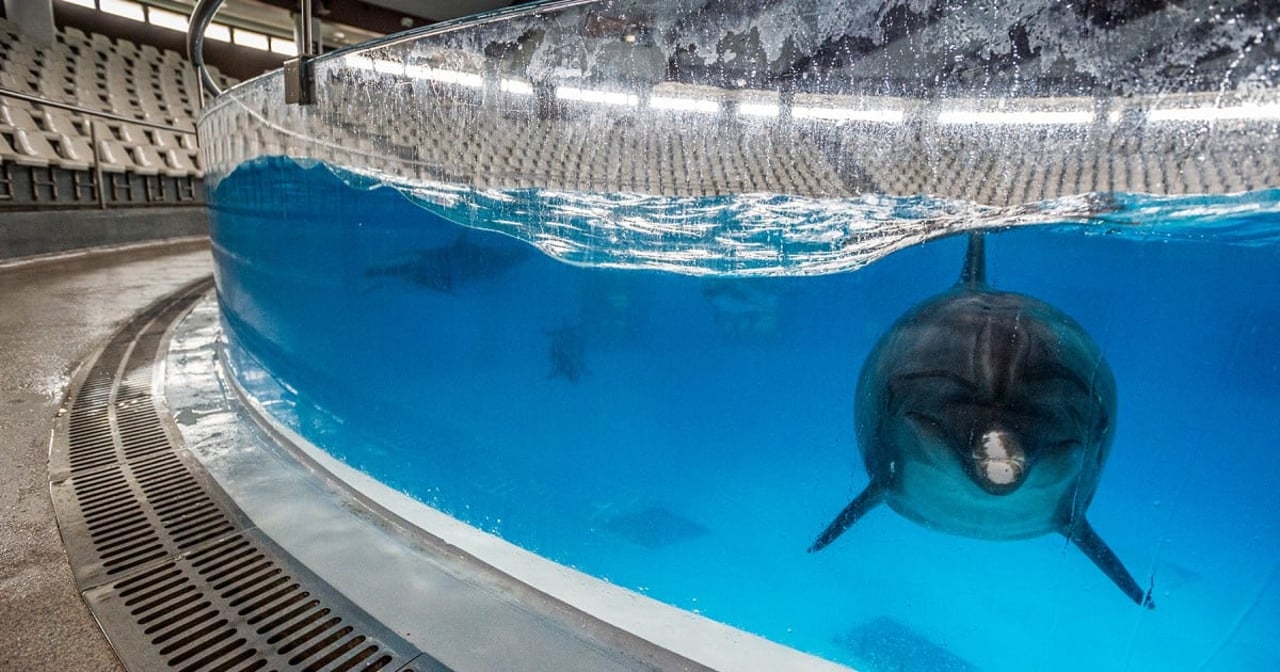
point(618, 613)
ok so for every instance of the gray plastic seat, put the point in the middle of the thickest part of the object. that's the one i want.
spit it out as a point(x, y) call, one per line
point(76, 148)
point(112, 157)
point(60, 121)
point(147, 159)
point(179, 159)
point(132, 135)
point(12, 80)
point(11, 152)
point(33, 143)
point(13, 116)
point(164, 140)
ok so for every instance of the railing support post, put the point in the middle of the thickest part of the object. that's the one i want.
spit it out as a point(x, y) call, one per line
point(299, 84)
point(97, 167)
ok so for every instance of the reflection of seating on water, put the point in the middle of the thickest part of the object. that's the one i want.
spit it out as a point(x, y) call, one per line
point(1031, 163)
point(643, 154)
point(513, 142)
point(446, 112)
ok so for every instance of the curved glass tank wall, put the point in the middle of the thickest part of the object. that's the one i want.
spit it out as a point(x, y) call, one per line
point(600, 278)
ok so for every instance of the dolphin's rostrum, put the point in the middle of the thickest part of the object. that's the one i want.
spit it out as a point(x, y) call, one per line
point(987, 414)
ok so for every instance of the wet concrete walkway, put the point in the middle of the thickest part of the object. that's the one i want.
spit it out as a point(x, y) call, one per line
point(53, 314)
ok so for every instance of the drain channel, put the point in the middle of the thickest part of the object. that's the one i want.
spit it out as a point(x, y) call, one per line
point(175, 574)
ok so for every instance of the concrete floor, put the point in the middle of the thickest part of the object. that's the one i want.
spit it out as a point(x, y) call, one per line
point(53, 313)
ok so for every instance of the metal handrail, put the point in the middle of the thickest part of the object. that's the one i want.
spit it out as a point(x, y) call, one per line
point(201, 15)
point(89, 111)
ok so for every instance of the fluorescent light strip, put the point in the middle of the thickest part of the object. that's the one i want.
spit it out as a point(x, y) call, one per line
point(847, 114)
point(219, 32)
point(1014, 118)
point(591, 96)
point(123, 8)
point(252, 39)
point(758, 109)
point(683, 104)
point(1271, 111)
point(284, 47)
point(166, 19)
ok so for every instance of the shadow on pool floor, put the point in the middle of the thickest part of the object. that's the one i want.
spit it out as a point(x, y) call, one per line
point(883, 644)
point(654, 527)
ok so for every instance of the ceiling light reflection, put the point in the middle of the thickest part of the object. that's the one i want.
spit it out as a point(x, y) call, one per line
point(516, 86)
point(683, 104)
point(839, 114)
point(1027, 118)
point(592, 96)
point(444, 76)
point(1270, 111)
point(758, 109)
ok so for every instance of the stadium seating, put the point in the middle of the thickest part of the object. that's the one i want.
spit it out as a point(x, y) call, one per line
point(52, 150)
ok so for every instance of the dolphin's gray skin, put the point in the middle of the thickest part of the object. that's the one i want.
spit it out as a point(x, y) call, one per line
point(568, 353)
point(987, 414)
point(450, 268)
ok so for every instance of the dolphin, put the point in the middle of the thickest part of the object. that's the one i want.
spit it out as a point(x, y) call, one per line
point(568, 353)
point(447, 269)
point(987, 414)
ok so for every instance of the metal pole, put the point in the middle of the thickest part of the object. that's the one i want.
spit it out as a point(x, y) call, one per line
point(308, 41)
point(97, 167)
point(299, 84)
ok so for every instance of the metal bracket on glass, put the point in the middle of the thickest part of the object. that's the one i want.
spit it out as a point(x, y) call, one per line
point(299, 85)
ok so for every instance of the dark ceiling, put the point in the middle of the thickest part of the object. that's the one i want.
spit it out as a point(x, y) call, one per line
point(389, 16)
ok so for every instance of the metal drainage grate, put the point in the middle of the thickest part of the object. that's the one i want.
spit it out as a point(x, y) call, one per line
point(235, 605)
point(119, 518)
point(113, 416)
point(171, 568)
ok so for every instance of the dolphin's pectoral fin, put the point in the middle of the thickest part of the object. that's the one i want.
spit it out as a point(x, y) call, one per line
point(1086, 539)
point(864, 502)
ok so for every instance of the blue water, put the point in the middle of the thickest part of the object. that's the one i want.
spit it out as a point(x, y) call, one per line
point(688, 434)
